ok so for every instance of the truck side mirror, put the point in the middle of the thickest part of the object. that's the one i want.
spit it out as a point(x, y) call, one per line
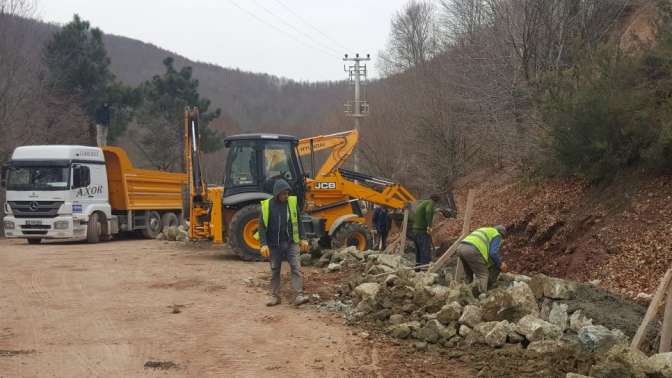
point(3, 176)
point(81, 176)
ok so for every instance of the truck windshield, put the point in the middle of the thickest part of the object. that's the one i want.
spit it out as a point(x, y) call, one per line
point(38, 178)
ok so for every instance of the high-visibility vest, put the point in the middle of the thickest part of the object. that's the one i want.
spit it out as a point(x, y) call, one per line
point(293, 209)
point(481, 239)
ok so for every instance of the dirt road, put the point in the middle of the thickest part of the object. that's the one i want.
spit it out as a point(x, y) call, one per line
point(148, 308)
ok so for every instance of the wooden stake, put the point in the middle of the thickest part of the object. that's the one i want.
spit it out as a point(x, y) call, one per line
point(402, 237)
point(652, 310)
point(666, 333)
point(438, 264)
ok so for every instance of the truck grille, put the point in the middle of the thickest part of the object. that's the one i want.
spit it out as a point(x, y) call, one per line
point(35, 209)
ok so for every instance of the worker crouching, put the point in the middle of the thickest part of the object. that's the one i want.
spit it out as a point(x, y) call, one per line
point(479, 255)
point(282, 238)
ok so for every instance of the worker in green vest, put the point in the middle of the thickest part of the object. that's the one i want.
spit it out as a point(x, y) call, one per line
point(421, 230)
point(282, 238)
point(479, 255)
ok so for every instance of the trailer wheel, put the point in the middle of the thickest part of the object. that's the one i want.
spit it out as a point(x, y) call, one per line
point(169, 220)
point(34, 241)
point(93, 229)
point(244, 225)
point(351, 234)
point(152, 225)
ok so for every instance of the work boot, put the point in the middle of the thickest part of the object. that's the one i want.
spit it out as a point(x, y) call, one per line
point(275, 300)
point(300, 299)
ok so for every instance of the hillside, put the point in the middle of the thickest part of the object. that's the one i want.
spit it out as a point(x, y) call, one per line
point(253, 101)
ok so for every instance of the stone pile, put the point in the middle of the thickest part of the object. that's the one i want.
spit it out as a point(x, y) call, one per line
point(173, 233)
point(429, 309)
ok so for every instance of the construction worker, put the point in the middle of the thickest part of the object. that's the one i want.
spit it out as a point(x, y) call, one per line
point(423, 218)
point(102, 124)
point(479, 255)
point(382, 222)
point(281, 237)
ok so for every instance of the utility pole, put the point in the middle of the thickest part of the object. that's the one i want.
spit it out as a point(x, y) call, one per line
point(358, 107)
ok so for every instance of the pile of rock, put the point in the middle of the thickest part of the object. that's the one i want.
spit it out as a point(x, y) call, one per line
point(527, 311)
point(173, 233)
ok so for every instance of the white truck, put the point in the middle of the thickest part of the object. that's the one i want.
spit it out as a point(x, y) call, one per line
point(85, 193)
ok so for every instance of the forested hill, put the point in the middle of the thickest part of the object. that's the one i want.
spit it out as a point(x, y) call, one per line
point(249, 101)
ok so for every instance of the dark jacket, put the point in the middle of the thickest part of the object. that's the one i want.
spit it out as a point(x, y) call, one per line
point(381, 219)
point(279, 230)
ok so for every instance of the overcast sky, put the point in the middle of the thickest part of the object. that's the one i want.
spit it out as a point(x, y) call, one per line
point(298, 39)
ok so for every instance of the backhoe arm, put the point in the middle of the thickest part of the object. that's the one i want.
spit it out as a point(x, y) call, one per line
point(341, 144)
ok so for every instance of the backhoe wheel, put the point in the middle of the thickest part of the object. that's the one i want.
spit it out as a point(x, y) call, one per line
point(94, 228)
point(352, 234)
point(244, 225)
point(153, 225)
point(169, 220)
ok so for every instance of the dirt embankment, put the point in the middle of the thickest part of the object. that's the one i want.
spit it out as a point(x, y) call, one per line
point(615, 233)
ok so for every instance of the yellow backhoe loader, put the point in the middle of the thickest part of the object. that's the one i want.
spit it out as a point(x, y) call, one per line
point(329, 198)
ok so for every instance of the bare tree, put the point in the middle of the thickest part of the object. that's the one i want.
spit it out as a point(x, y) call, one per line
point(414, 37)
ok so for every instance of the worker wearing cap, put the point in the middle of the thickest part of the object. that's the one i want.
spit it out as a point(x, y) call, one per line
point(282, 238)
point(479, 255)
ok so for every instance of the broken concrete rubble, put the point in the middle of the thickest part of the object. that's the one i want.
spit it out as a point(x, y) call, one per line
point(449, 313)
point(599, 338)
point(471, 316)
point(535, 329)
point(428, 309)
point(558, 316)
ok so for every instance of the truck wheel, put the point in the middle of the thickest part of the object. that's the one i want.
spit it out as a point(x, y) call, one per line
point(244, 225)
point(169, 220)
point(93, 229)
point(152, 225)
point(34, 241)
point(352, 234)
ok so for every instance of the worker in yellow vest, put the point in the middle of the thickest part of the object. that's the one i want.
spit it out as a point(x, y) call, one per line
point(479, 254)
point(282, 238)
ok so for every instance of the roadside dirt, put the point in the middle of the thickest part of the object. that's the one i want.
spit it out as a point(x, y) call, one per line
point(147, 308)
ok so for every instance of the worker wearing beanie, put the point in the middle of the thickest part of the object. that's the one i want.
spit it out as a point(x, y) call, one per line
point(479, 255)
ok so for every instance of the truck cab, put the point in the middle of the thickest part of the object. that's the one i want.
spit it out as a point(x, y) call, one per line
point(52, 191)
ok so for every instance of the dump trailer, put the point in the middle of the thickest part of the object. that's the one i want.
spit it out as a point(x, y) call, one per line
point(86, 193)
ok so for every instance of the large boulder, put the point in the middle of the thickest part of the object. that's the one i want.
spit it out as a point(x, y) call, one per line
point(536, 284)
point(379, 269)
point(597, 338)
point(620, 361)
point(367, 290)
point(659, 365)
point(577, 321)
point(434, 332)
point(558, 316)
point(449, 313)
point(477, 334)
point(499, 305)
point(426, 279)
point(497, 335)
point(546, 346)
point(471, 316)
point(400, 331)
point(392, 261)
point(334, 267)
point(556, 288)
point(524, 297)
point(535, 329)
point(461, 294)
point(437, 291)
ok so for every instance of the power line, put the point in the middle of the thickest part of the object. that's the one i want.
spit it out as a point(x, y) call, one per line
point(321, 49)
point(319, 43)
point(310, 25)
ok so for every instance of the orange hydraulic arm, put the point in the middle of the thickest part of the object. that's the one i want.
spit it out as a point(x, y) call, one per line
point(333, 185)
point(205, 204)
point(341, 145)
